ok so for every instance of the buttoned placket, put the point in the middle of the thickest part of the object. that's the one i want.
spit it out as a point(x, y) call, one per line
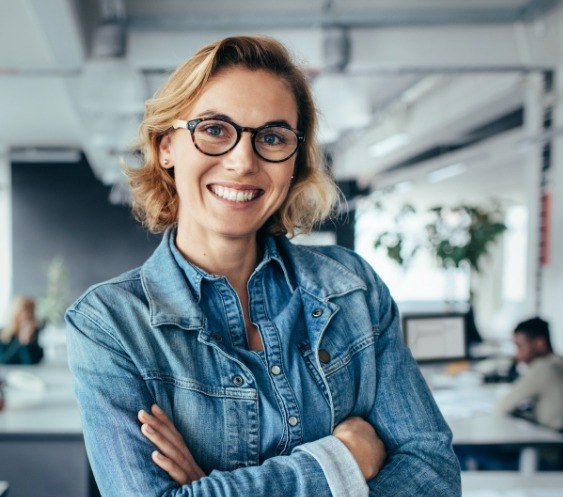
point(291, 414)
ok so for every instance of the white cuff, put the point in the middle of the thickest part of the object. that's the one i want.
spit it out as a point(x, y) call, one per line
point(341, 470)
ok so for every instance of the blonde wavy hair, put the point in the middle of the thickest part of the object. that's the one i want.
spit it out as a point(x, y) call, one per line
point(313, 194)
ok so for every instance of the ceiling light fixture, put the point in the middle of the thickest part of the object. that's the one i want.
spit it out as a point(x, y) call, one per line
point(388, 145)
point(446, 172)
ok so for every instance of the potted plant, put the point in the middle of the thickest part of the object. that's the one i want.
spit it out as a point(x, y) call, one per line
point(455, 236)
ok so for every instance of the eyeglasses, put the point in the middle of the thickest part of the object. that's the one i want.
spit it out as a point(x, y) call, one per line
point(274, 142)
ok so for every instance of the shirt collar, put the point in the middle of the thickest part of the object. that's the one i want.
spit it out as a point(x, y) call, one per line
point(172, 301)
point(195, 275)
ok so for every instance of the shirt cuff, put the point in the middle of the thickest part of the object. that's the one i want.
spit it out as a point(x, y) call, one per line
point(341, 470)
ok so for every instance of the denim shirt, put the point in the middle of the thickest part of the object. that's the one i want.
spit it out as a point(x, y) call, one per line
point(329, 324)
point(284, 386)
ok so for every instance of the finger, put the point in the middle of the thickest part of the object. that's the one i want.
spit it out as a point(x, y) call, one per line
point(161, 442)
point(177, 439)
point(178, 473)
point(180, 456)
point(175, 472)
point(163, 418)
point(164, 428)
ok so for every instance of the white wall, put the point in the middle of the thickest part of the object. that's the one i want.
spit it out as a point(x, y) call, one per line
point(5, 234)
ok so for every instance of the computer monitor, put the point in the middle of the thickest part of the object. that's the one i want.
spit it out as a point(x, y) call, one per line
point(436, 337)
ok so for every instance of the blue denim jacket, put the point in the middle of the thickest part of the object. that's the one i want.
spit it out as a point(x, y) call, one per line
point(143, 338)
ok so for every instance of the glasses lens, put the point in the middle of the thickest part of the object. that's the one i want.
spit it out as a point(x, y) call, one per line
point(215, 137)
point(275, 143)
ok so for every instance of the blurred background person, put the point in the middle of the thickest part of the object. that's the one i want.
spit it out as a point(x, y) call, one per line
point(537, 394)
point(19, 339)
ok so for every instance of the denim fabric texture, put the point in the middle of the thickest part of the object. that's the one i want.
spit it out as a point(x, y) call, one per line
point(258, 424)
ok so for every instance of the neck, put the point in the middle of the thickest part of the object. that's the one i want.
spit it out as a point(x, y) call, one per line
point(234, 258)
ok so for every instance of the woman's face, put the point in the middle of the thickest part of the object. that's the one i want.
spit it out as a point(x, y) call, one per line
point(207, 185)
point(26, 314)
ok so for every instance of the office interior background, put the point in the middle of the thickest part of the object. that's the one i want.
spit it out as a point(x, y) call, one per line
point(423, 102)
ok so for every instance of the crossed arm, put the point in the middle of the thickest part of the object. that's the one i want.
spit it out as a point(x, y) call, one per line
point(174, 457)
point(417, 441)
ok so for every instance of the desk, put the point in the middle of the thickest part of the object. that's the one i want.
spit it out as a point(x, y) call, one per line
point(41, 445)
point(469, 411)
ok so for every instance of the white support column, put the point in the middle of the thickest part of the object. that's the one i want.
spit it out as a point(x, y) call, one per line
point(5, 233)
point(553, 272)
point(533, 122)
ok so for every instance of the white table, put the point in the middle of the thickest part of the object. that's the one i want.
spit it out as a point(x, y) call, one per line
point(42, 449)
point(39, 400)
point(469, 411)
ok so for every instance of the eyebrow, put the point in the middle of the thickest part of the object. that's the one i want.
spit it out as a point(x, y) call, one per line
point(219, 115)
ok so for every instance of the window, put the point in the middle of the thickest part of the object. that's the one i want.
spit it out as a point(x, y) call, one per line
point(423, 281)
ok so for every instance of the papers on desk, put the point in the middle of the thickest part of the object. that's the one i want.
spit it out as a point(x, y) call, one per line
point(467, 402)
point(24, 390)
point(25, 381)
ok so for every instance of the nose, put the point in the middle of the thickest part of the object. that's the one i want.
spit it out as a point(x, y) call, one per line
point(242, 159)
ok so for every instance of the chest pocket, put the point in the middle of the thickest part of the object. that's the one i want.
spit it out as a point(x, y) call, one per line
point(219, 423)
point(349, 371)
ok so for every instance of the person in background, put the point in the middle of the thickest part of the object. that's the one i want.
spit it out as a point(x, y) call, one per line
point(233, 362)
point(19, 339)
point(538, 393)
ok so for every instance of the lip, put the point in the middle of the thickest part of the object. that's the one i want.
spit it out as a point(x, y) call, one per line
point(234, 186)
point(238, 187)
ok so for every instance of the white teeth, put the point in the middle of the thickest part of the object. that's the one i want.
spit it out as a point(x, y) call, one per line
point(234, 195)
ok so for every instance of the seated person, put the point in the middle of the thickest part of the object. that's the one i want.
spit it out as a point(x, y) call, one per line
point(18, 340)
point(537, 393)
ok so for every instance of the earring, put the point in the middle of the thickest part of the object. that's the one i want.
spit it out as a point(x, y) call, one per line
point(166, 161)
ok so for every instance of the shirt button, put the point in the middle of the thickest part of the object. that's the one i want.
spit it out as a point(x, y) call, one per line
point(238, 380)
point(292, 420)
point(324, 356)
point(317, 313)
point(276, 370)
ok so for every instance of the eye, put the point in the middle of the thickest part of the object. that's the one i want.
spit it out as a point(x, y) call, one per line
point(273, 137)
point(214, 130)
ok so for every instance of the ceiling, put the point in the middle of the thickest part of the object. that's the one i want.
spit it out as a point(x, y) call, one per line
point(425, 73)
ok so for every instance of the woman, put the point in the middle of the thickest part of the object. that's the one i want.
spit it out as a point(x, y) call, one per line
point(19, 339)
point(279, 369)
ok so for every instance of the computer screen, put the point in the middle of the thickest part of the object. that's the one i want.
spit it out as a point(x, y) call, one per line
point(435, 337)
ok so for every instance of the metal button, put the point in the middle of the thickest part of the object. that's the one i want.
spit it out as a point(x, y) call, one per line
point(324, 356)
point(217, 337)
point(276, 370)
point(292, 420)
point(317, 313)
point(238, 380)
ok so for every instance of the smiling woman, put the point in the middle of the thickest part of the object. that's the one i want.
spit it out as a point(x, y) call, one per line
point(252, 366)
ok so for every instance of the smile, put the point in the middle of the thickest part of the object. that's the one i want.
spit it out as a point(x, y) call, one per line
point(235, 195)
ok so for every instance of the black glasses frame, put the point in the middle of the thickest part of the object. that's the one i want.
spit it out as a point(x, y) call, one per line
point(192, 124)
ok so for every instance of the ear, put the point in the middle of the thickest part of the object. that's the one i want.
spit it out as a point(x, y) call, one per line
point(541, 345)
point(165, 152)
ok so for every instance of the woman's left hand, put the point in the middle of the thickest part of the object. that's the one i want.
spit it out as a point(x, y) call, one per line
point(173, 455)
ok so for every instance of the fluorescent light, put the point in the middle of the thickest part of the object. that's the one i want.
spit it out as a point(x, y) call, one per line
point(388, 145)
point(403, 187)
point(45, 154)
point(446, 172)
